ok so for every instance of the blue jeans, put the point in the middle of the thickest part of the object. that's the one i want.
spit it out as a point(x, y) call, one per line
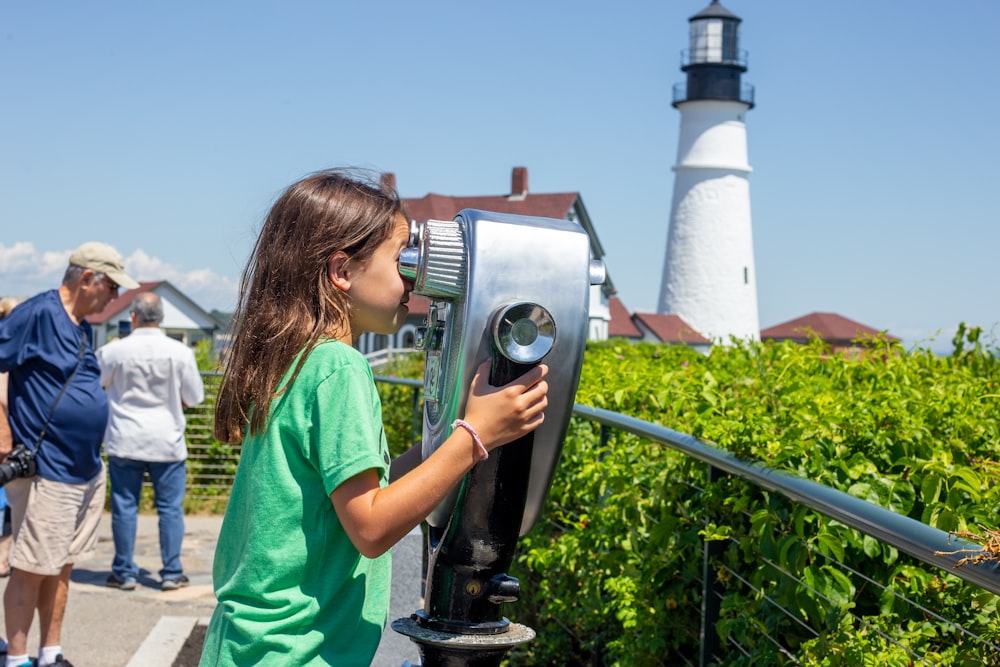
point(169, 484)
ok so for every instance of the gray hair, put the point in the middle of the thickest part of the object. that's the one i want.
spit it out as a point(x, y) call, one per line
point(148, 309)
point(74, 272)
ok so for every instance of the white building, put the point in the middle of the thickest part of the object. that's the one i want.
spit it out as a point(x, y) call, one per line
point(183, 319)
point(709, 278)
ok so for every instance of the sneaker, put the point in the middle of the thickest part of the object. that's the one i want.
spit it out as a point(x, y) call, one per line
point(175, 583)
point(122, 584)
point(61, 661)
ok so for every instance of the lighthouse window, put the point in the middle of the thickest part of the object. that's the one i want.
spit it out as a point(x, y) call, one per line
point(714, 41)
point(706, 41)
point(746, 276)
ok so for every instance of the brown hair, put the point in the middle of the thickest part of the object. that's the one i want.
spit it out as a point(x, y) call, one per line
point(287, 302)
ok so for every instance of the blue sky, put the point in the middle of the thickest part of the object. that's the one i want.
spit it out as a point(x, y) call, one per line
point(167, 129)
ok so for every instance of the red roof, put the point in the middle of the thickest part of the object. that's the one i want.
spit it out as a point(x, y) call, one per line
point(122, 302)
point(558, 206)
point(830, 327)
point(621, 324)
point(444, 207)
point(670, 328)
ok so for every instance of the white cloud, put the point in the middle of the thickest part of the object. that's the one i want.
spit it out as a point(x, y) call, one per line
point(21, 262)
point(208, 289)
point(25, 270)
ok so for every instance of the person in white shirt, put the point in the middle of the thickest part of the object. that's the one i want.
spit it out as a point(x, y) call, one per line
point(150, 379)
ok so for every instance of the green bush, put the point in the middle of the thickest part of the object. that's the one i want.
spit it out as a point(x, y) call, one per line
point(402, 409)
point(611, 575)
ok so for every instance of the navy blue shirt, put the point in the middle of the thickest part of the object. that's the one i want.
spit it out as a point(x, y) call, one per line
point(39, 347)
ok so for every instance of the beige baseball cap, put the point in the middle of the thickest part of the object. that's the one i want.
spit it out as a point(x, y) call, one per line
point(102, 258)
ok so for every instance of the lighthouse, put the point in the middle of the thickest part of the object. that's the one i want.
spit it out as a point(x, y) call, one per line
point(708, 274)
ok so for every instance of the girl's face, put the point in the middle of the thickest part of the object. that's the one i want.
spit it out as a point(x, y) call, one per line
point(375, 288)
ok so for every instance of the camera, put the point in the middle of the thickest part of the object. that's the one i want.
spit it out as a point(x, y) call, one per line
point(20, 463)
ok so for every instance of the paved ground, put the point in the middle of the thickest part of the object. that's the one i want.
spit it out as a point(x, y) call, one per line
point(147, 627)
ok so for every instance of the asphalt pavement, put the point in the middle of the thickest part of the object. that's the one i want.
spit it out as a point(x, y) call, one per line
point(147, 627)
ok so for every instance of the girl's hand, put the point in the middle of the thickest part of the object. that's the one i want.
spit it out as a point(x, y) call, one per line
point(376, 518)
point(504, 414)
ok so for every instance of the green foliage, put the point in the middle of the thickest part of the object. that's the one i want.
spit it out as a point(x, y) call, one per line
point(611, 575)
point(402, 407)
point(205, 357)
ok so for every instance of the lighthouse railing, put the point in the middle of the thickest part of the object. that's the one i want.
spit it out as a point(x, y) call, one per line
point(714, 55)
point(680, 94)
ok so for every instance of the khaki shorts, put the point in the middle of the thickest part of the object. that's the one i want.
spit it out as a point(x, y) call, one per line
point(54, 523)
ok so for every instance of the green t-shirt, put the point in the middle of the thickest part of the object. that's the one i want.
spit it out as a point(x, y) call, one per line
point(291, 587)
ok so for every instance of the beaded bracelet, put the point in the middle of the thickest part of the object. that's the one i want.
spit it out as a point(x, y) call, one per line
point(475, 437)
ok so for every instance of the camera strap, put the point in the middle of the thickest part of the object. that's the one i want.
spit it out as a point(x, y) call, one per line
point(79, 360)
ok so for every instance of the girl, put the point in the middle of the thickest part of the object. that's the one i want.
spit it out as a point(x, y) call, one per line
point(301, 569)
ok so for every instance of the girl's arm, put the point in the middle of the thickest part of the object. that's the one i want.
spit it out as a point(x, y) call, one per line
point(376, 518)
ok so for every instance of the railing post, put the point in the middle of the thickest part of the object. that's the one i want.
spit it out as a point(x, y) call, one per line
point(711, 590)
point(605, 437)
point(417, 418)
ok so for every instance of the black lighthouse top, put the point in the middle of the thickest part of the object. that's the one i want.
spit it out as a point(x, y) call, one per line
point(714, 61)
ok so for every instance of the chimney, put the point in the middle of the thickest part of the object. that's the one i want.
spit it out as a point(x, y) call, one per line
point(519, 183)
point(388, 181)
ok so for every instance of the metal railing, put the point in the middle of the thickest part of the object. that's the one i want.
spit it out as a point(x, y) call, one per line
point(908, 535)
point(714, 55)
point(211, 465)
point(746, 94)
point(926, 544)
point(380, 358)
point(211, 470)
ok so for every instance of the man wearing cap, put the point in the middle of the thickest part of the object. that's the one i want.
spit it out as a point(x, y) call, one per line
point(58, 409)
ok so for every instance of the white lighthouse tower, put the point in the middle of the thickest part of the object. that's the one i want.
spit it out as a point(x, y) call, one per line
point(708, 275)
